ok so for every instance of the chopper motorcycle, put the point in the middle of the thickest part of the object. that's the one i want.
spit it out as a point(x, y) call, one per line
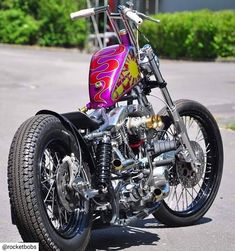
point(115, 160)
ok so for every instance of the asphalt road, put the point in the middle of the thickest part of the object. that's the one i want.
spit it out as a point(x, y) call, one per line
point(34, 79)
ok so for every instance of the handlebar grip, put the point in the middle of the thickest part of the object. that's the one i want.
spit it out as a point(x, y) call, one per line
point(82, 13)
point(134, 17)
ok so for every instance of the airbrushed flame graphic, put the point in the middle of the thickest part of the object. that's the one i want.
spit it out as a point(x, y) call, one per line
point(104, 66)
point(113, 71)
point(129, 76)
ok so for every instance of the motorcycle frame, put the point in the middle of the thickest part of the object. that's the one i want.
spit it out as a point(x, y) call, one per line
point(138, 93)
point(130, 39)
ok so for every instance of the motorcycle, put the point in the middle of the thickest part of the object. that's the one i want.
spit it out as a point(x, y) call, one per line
point(115, 160)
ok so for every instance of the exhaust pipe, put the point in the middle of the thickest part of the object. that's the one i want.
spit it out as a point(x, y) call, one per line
point(119, 165)
point(161, 193)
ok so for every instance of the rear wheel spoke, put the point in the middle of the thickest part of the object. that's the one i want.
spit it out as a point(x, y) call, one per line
point(65, 222)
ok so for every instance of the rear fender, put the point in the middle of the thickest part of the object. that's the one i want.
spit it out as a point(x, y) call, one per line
point(71, 122)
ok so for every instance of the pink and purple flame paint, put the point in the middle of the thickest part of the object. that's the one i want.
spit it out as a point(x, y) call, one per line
point(113, 72)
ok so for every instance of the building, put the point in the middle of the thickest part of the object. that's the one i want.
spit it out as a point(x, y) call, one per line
point(100, 34)
point(155, 6)
point(184, 5)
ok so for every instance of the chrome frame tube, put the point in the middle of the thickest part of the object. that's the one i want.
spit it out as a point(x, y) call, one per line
point(179, 124)
point(120, 16)
point(129, 30)
point(112, 17)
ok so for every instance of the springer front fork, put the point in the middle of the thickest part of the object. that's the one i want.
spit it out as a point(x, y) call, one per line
point(178, 122)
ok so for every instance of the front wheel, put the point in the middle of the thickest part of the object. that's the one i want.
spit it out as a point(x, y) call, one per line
point(44, 208)
point(192, 195)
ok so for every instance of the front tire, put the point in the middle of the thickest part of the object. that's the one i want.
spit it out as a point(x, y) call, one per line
point(39, 209)
point(190, 197)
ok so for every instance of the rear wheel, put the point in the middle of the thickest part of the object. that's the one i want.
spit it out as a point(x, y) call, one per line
point(191, 195)
point(44, 209)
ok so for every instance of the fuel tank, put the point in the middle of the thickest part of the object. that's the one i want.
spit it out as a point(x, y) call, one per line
point(113, 72)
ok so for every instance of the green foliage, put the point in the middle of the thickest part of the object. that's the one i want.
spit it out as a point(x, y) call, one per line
point(17, 28)
point(31, 7)
point(51, 17)
point(57, 29)
point(6, 4)
point(197, 35)
point(225, 37)
point(200, 39)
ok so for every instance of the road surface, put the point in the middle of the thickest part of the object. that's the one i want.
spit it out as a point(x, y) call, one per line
point(33, 79)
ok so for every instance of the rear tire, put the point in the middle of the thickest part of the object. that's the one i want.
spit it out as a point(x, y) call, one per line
point(191, 199)
point(36, 154)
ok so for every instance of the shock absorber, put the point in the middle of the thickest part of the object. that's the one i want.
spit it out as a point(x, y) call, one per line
point(103, 161)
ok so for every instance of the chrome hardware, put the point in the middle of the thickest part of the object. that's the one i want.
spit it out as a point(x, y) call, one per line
point(154, 122)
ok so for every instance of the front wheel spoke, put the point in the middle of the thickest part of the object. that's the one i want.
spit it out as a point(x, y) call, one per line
point(171, 131)
point(205, 183)
point(208, 148)
point(205, 156)
point(174, 195)
point(200, 139)
point(177, 202)
point(184, 198)
point(170, 196)
point(196, 192)
point(201, 190)
point(200, 136)
point(193, 191)
point(191, 195)
point(190, 123)
point(176, 198)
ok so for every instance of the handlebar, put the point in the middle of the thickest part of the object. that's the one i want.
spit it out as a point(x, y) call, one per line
point(82, 13)
point(127, 12)
point(132, 15)
point(87, 12)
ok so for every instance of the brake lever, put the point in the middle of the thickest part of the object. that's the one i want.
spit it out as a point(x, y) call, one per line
point(130, 5)
point(147, 17)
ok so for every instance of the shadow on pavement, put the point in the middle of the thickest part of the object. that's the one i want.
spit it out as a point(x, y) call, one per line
point(152, 223)
point(119, 238)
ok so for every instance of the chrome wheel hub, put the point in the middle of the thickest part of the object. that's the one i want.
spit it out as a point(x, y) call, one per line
point(69, 198)
point(187, 177)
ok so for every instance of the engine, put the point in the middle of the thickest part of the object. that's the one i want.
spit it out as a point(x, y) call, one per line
point(128, 154)
point(141, 183)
